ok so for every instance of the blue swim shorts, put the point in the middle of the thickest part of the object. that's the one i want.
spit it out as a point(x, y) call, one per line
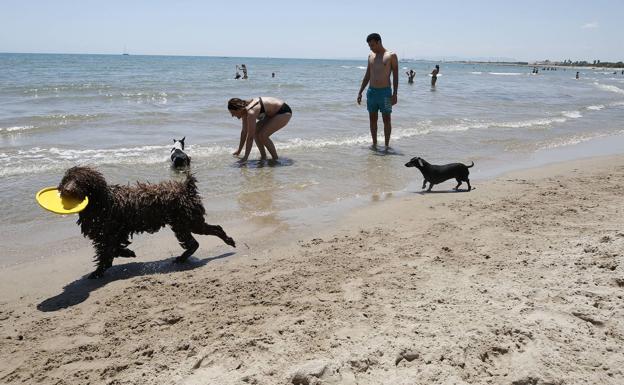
point(379, 99)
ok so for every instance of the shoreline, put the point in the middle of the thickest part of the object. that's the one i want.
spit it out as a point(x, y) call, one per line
point(519, 280)
point(66, 237)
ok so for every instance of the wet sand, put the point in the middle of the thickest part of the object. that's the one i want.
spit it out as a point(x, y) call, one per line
point(520, 281)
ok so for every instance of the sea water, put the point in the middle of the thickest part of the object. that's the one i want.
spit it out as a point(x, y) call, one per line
point(121, 113)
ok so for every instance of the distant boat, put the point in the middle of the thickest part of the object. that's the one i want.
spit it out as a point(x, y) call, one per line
point(125, 51)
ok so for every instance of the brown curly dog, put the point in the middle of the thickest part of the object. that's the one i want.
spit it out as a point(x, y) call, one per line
point(115, 213)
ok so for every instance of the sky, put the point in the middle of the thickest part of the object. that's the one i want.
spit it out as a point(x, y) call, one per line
point(524, 30)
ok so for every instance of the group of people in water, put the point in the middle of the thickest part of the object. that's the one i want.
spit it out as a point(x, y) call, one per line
point(243, 68)
point(411, 74)
point(263, 116)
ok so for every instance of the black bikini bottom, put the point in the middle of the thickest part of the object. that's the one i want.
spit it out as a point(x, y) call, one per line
point(284, 109)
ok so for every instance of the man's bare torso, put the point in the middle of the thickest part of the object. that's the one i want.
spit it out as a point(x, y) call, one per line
point(380, 67)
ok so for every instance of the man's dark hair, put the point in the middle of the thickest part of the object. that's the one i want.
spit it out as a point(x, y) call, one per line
point(373, 36)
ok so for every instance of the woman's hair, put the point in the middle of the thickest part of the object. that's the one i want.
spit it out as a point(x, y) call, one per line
point(236, 104)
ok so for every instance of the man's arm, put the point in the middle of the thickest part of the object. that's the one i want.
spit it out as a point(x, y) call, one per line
point(364, 83)
point(394, 66)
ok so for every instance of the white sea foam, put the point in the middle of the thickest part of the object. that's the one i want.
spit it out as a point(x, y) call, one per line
point(298, 143)
point(572, 114)
point(563, 142)
point(610, 88)
point(476, 73)
point(16, 128)
point(596, 107)
point(506, 73)
point(361, 67)
point(55, 158)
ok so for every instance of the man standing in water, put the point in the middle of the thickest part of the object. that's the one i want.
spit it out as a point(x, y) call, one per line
point(379, 96)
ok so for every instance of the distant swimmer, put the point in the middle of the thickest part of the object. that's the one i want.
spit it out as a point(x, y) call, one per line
point(379, 96)
point(272, 74)
point(238, 75)
point(577, 74)
point(434, 75)
point(244, 69)
point(410, 76)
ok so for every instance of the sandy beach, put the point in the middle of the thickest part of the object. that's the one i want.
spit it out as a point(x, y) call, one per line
point(520, 281)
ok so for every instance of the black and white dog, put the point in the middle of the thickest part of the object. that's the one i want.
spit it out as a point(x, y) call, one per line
point(435, 174)
point(179, 159)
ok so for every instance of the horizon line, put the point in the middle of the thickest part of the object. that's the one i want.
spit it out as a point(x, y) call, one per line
point(452, 58)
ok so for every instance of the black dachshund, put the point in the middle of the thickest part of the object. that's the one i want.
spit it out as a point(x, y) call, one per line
point(435, 174)
point(115, 213)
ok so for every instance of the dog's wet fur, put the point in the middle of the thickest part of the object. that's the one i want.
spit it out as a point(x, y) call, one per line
point(179, 158)
point(435, 174)
point(114, 213)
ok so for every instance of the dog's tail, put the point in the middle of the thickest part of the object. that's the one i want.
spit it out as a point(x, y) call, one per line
point(470, 165)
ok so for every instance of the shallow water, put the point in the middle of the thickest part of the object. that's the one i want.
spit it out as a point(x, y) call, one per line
point(121, 113)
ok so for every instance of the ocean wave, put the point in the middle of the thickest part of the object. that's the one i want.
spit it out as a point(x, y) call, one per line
point(506, 73)
point(597, 107)
point(476, 73)
point(609, 87)
point(572, 114)
point(56, 88)
point(16, 128)
point(38, 160)
point(361, 67)
point(298, 143)
point(564, 142)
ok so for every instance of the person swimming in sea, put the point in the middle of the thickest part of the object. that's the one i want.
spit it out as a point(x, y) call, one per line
point(434, 75)
point(410, 76)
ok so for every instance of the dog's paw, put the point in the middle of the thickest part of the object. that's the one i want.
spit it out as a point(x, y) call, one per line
point(180, 259)
point(230, 242)
point(126, 253)
point(96, 274)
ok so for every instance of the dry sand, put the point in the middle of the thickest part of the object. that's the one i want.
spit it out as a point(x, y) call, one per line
point(520, 281)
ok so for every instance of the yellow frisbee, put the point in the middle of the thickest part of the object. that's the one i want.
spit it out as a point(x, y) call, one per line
point(50, 199)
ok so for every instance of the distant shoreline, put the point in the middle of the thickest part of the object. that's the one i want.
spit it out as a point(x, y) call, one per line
point(527, 64)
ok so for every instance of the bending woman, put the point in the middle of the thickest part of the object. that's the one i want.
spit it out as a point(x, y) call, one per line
point(261, 118)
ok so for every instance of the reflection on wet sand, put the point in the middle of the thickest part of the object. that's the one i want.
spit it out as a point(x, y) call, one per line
point(256, 198)
point(380, 176)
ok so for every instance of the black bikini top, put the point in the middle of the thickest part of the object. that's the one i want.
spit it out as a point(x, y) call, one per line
point(262, 113)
